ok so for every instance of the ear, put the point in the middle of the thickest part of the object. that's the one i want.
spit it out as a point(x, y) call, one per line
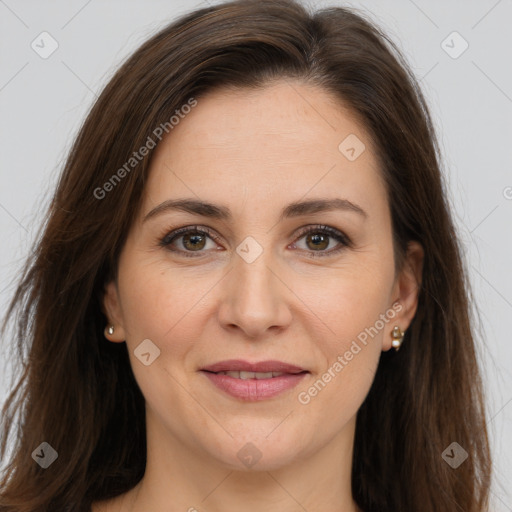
point(112, 310)
point(405, 291)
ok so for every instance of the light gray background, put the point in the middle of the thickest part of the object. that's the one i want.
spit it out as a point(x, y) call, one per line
point(44, 101)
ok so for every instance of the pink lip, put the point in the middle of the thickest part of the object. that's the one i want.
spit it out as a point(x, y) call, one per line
point(254, 389)
point(239, 365)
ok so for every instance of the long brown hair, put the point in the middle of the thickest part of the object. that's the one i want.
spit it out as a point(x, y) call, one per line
point(77, 392)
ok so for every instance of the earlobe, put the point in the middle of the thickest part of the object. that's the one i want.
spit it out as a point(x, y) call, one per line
point(114, 330)
point(406, 292)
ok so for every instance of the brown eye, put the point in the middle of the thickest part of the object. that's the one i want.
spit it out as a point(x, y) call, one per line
point(318, 238)
point(189, 240)
point(318, 241)
point(194, 241)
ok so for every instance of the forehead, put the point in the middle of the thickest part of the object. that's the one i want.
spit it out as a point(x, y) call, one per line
point(273, 117)
point(275, 143)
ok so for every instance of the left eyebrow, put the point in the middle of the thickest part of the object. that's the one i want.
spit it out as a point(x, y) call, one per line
point(300, 208)
point(296, 209)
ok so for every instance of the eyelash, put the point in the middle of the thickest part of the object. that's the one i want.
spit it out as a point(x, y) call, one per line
point(340, 237)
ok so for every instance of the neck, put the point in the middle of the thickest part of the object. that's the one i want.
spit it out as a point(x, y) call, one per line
point(186, 479)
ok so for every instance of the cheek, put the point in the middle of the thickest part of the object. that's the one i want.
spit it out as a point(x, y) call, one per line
point(167, 307)
point(349, 299)
point(156, 300)
point(354, 308)
point(160, 305)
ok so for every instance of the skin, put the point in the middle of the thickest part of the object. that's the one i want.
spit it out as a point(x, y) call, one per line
point(255, 152)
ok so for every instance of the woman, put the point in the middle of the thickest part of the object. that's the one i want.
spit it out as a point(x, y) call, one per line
point(249, 292)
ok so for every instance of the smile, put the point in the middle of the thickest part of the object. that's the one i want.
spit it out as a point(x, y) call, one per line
point(253, 381)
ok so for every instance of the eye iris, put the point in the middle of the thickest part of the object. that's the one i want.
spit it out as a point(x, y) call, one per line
point(320, 241)
point(195, 239)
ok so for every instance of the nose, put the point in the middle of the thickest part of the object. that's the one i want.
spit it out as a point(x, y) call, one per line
point(255, 298)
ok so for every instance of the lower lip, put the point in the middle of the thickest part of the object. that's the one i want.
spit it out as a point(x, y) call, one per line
point(253, 390)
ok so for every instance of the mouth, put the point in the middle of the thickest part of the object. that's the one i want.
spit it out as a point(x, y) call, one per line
point(254, 381)
point(252, 375)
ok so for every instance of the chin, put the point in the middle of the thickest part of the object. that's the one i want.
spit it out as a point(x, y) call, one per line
point(258, 454)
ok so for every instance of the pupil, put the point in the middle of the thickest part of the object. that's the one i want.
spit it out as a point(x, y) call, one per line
point(319, 239)
point(194, 240)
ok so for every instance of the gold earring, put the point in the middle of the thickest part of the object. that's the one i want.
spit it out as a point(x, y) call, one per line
point(110, 330)
point(398, 337)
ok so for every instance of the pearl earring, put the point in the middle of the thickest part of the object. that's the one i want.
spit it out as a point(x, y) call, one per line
point(397, 336)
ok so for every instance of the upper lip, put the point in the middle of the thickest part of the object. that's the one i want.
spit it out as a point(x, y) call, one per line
point(234, 365)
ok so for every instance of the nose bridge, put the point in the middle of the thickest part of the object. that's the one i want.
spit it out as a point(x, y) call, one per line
point(255, 298)
point(254, 272)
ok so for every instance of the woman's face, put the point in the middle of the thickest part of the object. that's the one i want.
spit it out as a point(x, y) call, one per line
point(297, 269)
